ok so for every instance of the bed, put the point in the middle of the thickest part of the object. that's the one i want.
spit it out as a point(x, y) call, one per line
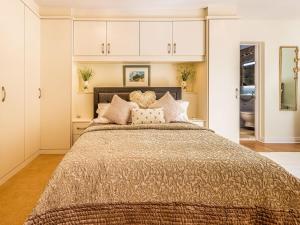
point(176, 173)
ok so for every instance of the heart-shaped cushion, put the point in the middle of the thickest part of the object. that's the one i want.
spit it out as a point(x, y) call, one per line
point(144, 100)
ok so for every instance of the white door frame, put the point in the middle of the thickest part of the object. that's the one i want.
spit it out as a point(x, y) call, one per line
point(259, 84)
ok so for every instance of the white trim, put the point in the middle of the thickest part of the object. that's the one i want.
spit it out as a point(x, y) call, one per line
point(281, 140)
point(53, 152)
point(259, 84)
point(222, 18)
point(18, 168)
point(138, 58)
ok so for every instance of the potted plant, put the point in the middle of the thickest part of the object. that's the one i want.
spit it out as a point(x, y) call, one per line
point(186, 73)
point(86, 75)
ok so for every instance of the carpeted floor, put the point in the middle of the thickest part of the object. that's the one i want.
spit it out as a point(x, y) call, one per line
point(19, 195)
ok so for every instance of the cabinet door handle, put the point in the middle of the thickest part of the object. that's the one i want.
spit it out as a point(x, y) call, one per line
point(236, 93)
point(40, 93)
point(102, 49)
point(3, 94)
point(174, 48)
point(169, 48)
point(108, 48)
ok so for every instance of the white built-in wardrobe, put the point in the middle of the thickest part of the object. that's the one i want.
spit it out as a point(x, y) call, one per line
point(20, 85)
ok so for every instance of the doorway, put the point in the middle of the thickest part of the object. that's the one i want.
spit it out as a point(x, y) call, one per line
point(249, 80)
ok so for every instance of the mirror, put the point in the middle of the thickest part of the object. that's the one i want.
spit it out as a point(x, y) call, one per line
point(288, 77)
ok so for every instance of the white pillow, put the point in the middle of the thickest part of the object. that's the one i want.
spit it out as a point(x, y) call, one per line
point(183, 105)
point(147, 116)
point(102, 108)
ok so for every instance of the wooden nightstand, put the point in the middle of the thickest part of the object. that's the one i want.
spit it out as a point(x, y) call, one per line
point(198, 122)
point(78, 126)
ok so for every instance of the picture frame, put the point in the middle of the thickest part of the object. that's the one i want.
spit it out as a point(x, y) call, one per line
point(136, 75)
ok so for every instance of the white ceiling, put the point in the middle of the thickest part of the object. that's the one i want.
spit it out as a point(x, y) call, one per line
point(266, 9)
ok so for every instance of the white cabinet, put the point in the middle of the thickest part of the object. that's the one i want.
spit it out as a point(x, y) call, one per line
point(123, 38)
point(32, 83)
point(223, 66)
point(11, 85)
point(156, 38)
point(89, 38)
point(56, 70)
point(188, 38)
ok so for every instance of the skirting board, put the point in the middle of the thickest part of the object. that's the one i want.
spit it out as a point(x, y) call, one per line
point(53, 151)
point(280, 140)
point(18, 168)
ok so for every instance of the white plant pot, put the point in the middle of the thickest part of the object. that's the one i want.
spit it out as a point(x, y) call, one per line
point(184, 85)
point(86, 85)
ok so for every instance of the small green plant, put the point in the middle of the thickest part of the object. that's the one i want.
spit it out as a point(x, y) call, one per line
point(186, 71)
point(86, 74)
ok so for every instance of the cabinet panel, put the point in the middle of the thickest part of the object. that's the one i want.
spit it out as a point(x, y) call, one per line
point(12, 79)
point(223, 61)
point(156, 38)
point(89, 38)
point(188, 38)
point(56, 70)
point(123, 38)
point(32, 83)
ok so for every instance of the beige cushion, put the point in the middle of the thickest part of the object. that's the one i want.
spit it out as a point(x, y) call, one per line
point(119, 110)
point(147, 116)
point(144, 100)
point(170, 106)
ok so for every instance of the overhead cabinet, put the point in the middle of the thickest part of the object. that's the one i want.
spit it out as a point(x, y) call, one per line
point(144, 38)
point(89, 38)
point(98, 38)
point(156, 38)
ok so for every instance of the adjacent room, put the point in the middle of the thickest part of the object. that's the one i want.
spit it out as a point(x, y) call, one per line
point(149, 112)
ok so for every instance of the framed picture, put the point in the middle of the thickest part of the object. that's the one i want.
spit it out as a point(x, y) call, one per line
point(136, 75)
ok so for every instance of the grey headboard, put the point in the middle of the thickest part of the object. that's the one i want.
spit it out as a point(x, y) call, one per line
point(105, 94)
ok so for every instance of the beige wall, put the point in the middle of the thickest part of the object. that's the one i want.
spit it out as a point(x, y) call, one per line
point(111, 75)
point(280, 126)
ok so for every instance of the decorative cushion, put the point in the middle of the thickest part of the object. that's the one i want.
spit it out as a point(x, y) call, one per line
point(119, 110)
point(144, 100)
point(147, 116)
point(102, 108)
point(170, 106)
point(183, 106)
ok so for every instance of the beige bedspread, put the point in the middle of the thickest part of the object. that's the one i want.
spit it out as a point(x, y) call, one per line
point(166, 174)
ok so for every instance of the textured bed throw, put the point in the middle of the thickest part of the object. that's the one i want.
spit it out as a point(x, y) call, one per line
point(166, 174)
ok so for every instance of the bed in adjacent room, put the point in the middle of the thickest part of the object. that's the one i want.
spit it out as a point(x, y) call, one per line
point(164, 173)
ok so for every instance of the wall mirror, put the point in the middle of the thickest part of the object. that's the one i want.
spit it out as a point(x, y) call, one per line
point(288, 77)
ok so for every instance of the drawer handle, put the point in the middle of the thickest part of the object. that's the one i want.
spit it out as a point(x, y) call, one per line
point(169, 48)
point(40, 93)
point(174, 48)
point(4, 94)
point(80, 128)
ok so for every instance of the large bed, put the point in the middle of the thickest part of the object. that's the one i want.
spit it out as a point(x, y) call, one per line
point(175, 173)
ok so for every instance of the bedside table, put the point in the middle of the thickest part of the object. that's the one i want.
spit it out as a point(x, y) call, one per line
point(198, 122)
point(78, 126)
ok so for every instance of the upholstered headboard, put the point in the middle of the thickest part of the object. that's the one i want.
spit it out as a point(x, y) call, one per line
point(105, 94)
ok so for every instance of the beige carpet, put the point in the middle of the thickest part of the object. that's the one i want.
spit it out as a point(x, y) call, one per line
point(19, 195)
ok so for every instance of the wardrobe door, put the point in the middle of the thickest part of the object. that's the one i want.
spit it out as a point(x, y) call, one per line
point(89, 38)
point(12, 85)
point(56, 81)
point(123, 38)
point(32, 83)
point(224, 41)
point(189, 38)
point(156, 38)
